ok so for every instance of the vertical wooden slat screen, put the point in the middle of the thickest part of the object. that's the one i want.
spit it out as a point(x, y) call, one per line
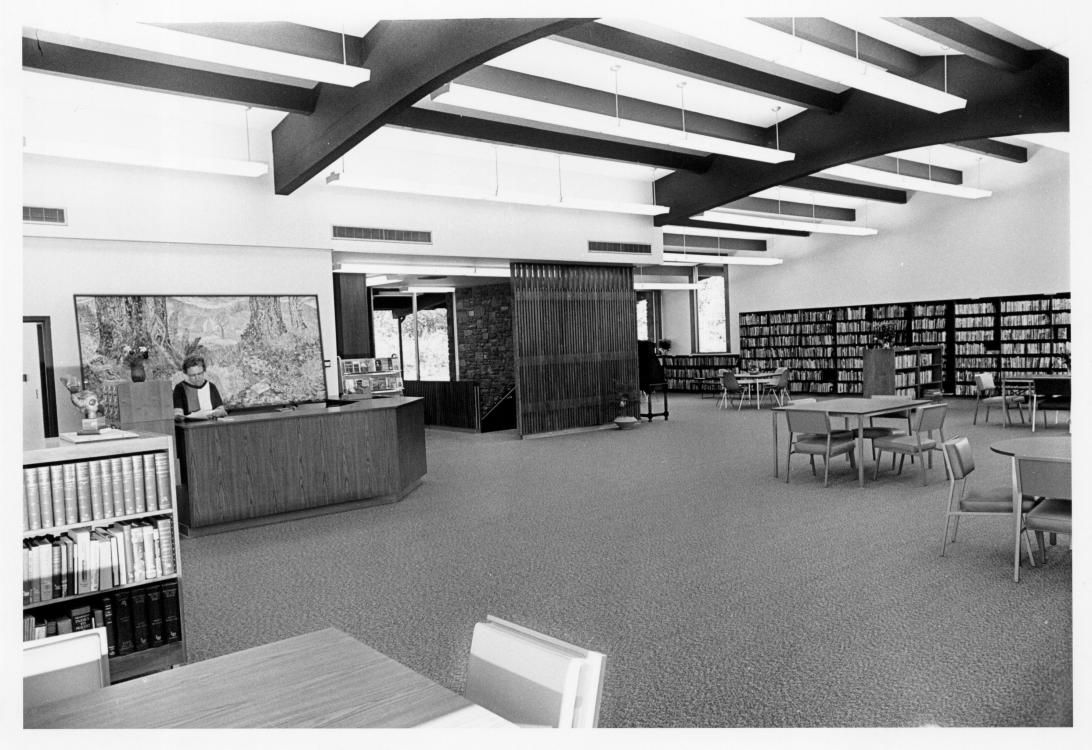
point(575, 333)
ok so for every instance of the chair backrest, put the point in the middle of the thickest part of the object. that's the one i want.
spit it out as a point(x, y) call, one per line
point(1042, 477)
point(958, 458)
point(783, 378)
point(528, 677)
point(808, 420)
point(65, 665)
point(931, 417)
point(728, 380)
point(1053, 387)
point(983, 381)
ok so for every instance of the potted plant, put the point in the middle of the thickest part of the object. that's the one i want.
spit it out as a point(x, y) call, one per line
point(134, 356)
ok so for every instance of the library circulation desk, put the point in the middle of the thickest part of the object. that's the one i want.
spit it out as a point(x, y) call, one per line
point(259, 468)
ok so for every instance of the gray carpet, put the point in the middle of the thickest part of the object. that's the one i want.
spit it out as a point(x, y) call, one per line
point(722, 596)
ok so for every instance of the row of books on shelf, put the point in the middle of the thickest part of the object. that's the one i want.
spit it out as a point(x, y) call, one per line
point(974, 322)
point(911, 379)
point(82, 491)
point(1033, 364)
point(85, 560)
point(1025, 320)
point(1021, 347)
point(930, 310)
point(135, 620)
point(1029, 334)
point(1031, 305)
point(930, 337)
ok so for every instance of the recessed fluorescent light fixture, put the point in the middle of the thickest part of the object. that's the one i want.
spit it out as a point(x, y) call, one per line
point(771, 223)
point(645, 286)
point(430, 289)
point(880, 177)
point(176, 47)
point(799, 54)
point(484, 194)
point(376, 280)
point(458, 95)
point(693, 259)
point(135, 157)
point(408, 270)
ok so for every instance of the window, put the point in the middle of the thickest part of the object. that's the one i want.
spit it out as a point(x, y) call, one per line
point(422, 339)
point(642, 320)
point(712, 326)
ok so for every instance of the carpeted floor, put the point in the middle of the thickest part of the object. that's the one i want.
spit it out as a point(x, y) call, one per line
point(722, 596)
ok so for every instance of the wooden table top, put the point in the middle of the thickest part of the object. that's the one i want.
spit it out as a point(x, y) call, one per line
point(1058, 448)
point(858, 406)
point(321, 679)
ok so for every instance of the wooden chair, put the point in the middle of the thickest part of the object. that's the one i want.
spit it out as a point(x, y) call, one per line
point(986, 394)
point(1050, 395)
point(1053, 481)
point(533, 679)
point(959, 464)
point(810, 433)
point(64, 665)
point(919, 443)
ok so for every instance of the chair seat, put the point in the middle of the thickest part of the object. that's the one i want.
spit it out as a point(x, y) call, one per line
point(818, 444)
point(903, 443)
point(998, 500)
point(878, 432)
point(835, 435)
point(990, 400)
point(1051, 515)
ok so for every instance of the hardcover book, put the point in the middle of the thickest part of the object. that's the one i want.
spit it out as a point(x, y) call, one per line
point(45, 496)
point(163, 480)
point(56, 490)
point(81, 618)
point(98, 512)
point(32, 502)
point(57, 564)
point(83, 491)
point(117, 480)
point(68, 492)
point(166, 546)
point(124, 625)
point(110, 625)
point(150, 484)
point(156, 634)
point(107, 487)
point(137, 464)
point(138, 613)
point(172, 620)
point(128, 485)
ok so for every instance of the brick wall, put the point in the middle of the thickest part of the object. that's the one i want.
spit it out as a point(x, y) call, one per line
point(485, 340)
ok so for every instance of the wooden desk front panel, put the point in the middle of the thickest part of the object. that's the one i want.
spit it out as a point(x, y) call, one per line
point(250, 469)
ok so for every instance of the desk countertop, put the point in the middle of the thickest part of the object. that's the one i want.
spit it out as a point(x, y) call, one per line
point(304, 410)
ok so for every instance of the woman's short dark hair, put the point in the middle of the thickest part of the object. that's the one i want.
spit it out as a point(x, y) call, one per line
point(194, 360)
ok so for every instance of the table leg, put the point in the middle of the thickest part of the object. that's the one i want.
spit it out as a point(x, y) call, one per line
point(860, 449)
point(773, 417)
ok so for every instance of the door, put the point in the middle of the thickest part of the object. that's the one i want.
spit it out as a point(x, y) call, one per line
point(33, 401)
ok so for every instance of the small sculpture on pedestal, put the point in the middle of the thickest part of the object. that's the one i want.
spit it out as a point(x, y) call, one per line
point(88, 404)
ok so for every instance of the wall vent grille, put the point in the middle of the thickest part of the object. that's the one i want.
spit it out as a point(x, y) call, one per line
point(618, 247)
point(373, 234)
point(39, 215)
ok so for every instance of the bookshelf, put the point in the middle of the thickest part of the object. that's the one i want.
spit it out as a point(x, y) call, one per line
point(98, 551)
point(1015, 336)
point(906, 371)
point(370, 376)
point(687, 372)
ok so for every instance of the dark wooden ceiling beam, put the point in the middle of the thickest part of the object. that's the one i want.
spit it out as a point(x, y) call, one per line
point(60, 59)
point(1030, 101)
point(408, 60)
point(703, 224)
point(778, 209)
point(292, 38)
point(963, 37)
point(586, 99)
point(447, 123)
point(847, 41)
point(996, 149)
point(640, 49)
point(848, 189)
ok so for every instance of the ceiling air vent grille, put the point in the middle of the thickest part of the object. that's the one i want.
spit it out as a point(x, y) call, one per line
point(383, 235)
point(709, 245)
point(618, 247)
point(38, 215)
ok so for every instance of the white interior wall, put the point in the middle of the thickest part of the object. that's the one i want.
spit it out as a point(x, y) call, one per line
point(55, 270)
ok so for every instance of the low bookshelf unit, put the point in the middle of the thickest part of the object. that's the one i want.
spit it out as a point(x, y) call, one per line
point(100, 548)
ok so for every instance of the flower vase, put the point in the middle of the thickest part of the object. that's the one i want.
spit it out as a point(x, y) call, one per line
point(136, 372)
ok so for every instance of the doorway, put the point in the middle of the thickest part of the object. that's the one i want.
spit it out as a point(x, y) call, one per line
point(39, 391)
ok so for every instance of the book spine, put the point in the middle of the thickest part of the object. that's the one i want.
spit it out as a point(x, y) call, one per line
point(82, 538)
point(117, 480)
point(172, 620)
point(33, 587)
point(70, 565)
point(108, 623)
point(107, 489)
point(150, 487)
point(27, 599)
point(45, 496)
point(156, 634)
point(124, 625)
point(81, 618)
point(128, 485)
point(45, 569)
point(138, 483)
point(151, 568)
point(163, 480)
point(83, 491)
point(32, 502)
point(62, 550)
point(130, 555)
point(57, 565)
point(98, 512)
point(166, 545)
point(138, 613)
point(68, 489)
point(137, 541)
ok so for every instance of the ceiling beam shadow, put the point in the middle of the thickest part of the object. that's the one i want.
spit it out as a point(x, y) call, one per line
point(849, 189)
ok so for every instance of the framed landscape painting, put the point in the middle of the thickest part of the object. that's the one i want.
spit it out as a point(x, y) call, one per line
point(261, 350)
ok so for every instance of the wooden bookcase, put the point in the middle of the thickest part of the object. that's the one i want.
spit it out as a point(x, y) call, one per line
point(688, 372)
point(909, 371)
point(1016, 336)
point(141, 407)
point(63, 536)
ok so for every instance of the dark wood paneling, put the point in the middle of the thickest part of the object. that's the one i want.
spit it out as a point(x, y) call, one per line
point(352, 316)
point(447, 403)
point(260, 465)
point(575, 334)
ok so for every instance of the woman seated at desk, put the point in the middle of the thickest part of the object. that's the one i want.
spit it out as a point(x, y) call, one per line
point(196, 397)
